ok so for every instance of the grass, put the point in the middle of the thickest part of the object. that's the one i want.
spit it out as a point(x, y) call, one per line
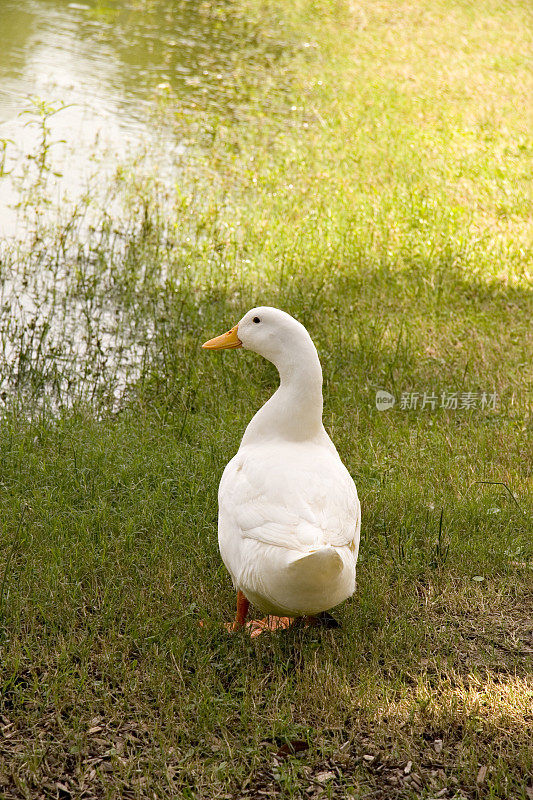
point(374, 184)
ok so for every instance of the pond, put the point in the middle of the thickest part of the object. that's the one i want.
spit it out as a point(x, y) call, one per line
point(109, 65)
point(91, 92)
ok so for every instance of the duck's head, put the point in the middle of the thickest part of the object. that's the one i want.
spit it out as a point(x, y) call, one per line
point(271, 333)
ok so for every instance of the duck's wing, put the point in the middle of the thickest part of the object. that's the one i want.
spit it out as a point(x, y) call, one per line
point(300, 499)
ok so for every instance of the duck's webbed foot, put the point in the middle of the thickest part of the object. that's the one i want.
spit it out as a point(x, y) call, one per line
point(256, 627)
point(322, 620)
point(271, 623)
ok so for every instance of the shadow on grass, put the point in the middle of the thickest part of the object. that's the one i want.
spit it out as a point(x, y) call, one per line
point(104, 666)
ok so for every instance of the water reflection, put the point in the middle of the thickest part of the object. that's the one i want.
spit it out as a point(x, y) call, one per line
point(108, 61)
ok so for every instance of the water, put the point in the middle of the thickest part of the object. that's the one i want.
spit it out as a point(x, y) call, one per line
point(99, 84)
point(110, 63)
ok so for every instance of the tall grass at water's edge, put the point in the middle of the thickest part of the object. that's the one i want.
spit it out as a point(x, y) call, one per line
point(395, 228)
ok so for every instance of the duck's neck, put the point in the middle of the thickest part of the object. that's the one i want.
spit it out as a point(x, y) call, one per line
point(294, 412)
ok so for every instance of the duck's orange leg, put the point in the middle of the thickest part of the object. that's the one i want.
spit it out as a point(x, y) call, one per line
point(243, 605)
point(254, 627)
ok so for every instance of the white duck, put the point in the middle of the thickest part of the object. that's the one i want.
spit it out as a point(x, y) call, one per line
point(289, 515)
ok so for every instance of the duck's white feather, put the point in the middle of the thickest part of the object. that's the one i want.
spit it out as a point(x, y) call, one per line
point(279, 505)
point(296, 495)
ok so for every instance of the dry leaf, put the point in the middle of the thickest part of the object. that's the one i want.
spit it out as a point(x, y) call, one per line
point(63, 792)
point(291, 748)
point(481, 775)
point(324, 777)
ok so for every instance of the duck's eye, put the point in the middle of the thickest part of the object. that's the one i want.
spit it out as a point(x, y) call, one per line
point(256, 320)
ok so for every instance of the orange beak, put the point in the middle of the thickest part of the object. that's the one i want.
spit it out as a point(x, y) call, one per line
point(227, 341)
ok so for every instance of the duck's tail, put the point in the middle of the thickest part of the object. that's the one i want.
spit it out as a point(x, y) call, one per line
point(316, 581)
point(322, 564)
